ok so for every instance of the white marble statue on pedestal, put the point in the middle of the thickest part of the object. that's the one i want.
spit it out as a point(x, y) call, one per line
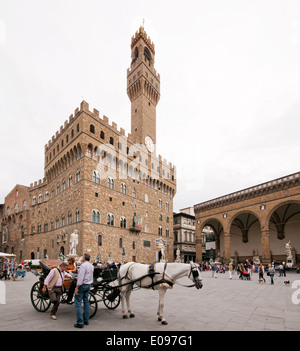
point(73, 243)
point(289, 256)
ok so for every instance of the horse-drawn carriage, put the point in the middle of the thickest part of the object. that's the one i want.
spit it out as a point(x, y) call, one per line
point(112, 286)
point(103, 288)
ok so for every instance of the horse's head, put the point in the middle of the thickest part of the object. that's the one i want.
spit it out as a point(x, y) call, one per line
point(195, 275)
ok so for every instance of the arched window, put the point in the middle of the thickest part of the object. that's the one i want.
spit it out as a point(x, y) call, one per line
point(77, 176)
point(167, 233)
point(40, 199)
point(33, 201)
point(147, 55)
point(167, 206)
point(92, 128)
point(160, 230)
point(46, 196)
point(160, 218)
point(133, 193)
point(160, 203)
point(8, 211)
point(99, 240)
point(123, 222)
point(96, 177)
point(24, 205)
point(110, 219)
point(123, 188)
point(110, 183)
point(69, 218)
point(96, 216)
point(63, 185)
point(77, 216)
point(102, 134)
point(136, 53)
point(16, 208)
point(111, 140)
point(70, 181)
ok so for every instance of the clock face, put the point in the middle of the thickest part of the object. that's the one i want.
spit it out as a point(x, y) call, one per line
point(149, 144)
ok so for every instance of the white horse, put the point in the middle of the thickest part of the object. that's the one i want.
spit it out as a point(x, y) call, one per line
point(164, 275)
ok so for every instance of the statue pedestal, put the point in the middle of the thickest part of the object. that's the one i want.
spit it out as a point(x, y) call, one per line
point(256, 260)
point(290, 261)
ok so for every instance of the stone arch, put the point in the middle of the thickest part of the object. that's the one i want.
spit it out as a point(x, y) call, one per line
point(245, 234)
point(284, 225)
point(218, 228)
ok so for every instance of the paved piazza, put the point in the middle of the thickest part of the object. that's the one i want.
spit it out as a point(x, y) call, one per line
point(221, 305)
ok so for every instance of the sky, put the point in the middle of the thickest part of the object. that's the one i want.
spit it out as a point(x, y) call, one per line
point(228, 115)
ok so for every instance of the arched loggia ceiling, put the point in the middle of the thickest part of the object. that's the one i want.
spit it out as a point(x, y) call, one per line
point(244, 222)
point(283, 215)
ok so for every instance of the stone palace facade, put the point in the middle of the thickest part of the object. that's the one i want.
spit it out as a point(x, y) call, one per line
point(108, 187)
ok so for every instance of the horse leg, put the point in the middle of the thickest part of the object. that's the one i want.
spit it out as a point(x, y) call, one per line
point(160, 311)
point(123, 294)
point(128, 293)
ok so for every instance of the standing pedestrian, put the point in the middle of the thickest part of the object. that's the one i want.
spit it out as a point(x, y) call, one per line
point(213, 270)
point(280, 267)
point(54, 282)
point(230, 269)
point(261, 271)
point(284, 269)
point(5, 268)
point(271, 272)
point(84, 281)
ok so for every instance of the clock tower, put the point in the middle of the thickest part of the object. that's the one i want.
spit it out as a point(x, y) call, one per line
point(143, 89)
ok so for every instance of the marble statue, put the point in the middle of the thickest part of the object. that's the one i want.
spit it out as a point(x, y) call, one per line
point(73, 243)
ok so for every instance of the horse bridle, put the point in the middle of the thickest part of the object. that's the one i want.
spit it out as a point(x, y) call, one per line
point(195, 273)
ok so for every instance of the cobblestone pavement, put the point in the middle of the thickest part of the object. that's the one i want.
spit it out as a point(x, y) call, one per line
point(221, 305)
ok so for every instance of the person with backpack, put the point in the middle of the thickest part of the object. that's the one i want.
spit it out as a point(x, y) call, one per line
point(54, 284)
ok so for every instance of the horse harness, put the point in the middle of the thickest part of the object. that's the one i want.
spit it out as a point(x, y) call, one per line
point(165, 281)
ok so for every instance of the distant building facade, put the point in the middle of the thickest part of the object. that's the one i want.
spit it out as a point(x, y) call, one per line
point(185, 235)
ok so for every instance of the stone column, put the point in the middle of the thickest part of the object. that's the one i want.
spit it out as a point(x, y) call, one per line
point(198, 248)
point(227, 248)
point(265, 244)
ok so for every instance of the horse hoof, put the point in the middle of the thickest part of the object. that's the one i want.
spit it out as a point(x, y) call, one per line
point(125, 316)
point(164, 323)
point(132, 315)
point(159, 319)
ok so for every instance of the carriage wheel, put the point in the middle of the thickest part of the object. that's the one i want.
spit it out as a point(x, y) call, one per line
point(93, 304)
point(98, 292)
point(39, 300)
point(111, 305)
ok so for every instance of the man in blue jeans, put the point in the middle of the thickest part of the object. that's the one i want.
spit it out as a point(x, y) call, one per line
point(84, 281)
